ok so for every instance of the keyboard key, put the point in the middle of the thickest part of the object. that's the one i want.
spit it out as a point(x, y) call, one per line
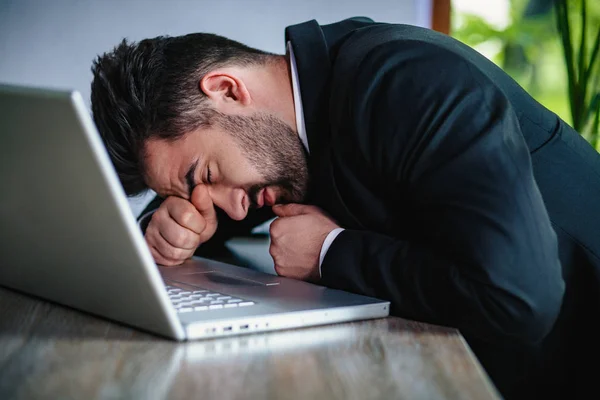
point(202, 299)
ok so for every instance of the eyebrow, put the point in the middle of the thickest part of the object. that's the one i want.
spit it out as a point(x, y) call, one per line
point(189, 177)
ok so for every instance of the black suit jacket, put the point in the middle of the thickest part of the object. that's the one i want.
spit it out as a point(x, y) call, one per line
point(465, 202)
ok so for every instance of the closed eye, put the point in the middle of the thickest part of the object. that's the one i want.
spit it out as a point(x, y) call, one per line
point(189, 178)
point(208, 175)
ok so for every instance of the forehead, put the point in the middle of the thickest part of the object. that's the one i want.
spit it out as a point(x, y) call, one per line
point(166, 163)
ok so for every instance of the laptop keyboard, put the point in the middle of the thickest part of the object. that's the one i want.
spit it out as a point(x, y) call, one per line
point(202, 300)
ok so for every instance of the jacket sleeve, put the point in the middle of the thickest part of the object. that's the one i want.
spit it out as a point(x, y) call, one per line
point(481, 255)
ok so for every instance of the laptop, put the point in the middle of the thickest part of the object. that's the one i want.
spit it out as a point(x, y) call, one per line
point(69, 236)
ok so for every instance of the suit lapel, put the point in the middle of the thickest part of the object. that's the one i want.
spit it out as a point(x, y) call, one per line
point(314, 68)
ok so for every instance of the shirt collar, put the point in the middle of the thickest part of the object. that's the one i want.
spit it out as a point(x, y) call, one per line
point(297, 98)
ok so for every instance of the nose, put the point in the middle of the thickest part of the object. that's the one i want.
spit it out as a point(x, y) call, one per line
point(231, 200)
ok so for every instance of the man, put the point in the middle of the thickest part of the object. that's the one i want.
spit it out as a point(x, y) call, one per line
point(428, 178)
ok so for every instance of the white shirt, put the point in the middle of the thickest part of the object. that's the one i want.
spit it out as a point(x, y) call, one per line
point(302, 133)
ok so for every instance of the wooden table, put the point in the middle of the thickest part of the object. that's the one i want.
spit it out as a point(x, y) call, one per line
point(49, 351)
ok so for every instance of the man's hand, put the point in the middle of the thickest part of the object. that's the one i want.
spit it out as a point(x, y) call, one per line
point(296, 240)
point(179, 226)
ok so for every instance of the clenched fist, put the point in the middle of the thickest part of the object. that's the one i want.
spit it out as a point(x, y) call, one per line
point(296, 240)
point(179, 226)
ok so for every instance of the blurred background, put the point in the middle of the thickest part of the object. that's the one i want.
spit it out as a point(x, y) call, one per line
point(550, 47)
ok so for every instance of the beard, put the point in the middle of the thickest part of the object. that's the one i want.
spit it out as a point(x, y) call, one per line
point(274, 150)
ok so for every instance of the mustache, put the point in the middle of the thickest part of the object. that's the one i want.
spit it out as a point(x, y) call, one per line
point(288, 194)
point(253, 195)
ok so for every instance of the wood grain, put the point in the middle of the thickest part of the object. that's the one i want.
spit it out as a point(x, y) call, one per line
point(49, 351)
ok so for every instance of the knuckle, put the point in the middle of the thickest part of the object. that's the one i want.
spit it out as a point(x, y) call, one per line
point(272, 250)
point(275, 228)
point(205, 236)
point(203, 225)
point(158, 257)
point(172, 200)
point(179, 255)
point(181, 238)
point(192, 241)
point(187, 254)
point(149, 241)
point(149, 232)
point(187, 206)
point(187, 217)
point(173, 203)
point(160, 215)
point(210, 229)
point(207, 232)
point(170, 252)
point(276, 259)
point(154, 218)
point(168, 202)
point(151, 237)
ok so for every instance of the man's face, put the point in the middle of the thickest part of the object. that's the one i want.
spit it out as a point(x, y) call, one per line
point(245, 161)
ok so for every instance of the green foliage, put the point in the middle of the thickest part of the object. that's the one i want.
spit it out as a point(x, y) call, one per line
point(582, 66)
point(542, 51)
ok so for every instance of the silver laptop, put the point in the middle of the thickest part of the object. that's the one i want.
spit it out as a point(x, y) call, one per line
point(68, 235)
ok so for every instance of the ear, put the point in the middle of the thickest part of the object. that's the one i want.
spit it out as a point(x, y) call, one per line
point(225, 89)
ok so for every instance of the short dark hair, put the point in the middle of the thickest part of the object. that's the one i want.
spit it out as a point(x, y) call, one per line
point(151, 89)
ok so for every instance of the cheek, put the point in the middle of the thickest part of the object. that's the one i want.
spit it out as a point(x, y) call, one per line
point(239, 172)
point(250, 175)
point(236, 168)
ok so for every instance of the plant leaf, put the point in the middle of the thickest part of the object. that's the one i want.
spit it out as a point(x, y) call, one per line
point(594, 55)
point(562, 21)
point(583, 84)
point(536, 8)
point(595, 136)
point(593, 108)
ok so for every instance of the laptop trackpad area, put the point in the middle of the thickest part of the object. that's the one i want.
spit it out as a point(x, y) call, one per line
point(198, 271)
point(222, 278)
